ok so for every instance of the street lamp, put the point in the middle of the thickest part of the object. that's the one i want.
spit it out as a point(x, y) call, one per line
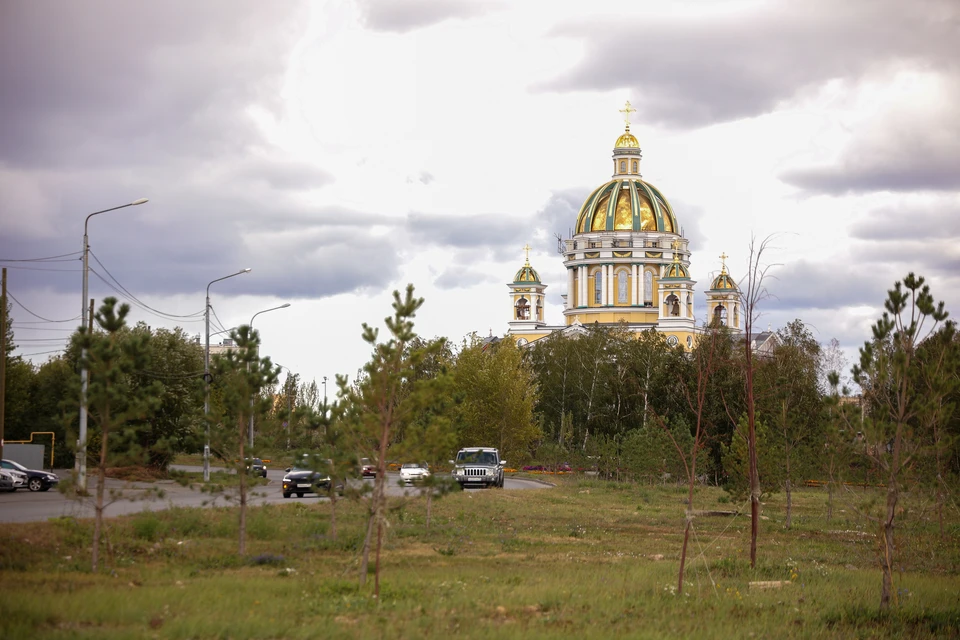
point(283, 306)
point(81, 462)
point(206, 374)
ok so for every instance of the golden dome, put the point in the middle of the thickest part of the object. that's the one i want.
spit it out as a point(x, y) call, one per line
point(526, 274)
point(724, 282)
point(677, 271)
point(629, 204)
point(627, 141)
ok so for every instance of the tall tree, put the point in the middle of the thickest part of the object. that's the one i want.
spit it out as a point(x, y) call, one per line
point(498, 391)
point(112, 402)
point(887, 374)
point(240, 375)
point(381, 403)
point(789, 397)
point(753, 293)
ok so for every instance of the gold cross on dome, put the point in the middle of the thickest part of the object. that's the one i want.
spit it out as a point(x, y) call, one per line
point(526, 249)
point(626, 111)
point(723, 260)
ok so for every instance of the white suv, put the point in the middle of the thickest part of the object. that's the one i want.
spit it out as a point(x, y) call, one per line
point(478, 467)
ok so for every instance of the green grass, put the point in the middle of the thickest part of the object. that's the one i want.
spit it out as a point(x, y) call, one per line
point(584, 559)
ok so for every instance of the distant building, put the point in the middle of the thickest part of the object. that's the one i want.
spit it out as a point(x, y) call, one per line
point(627, 265)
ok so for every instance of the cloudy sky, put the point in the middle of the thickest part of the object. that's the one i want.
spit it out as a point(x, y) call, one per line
point(343, 149)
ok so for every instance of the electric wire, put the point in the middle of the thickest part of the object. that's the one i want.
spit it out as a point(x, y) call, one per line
point(42, 269)
point(140, 305)
point(39, 353)
point(49, 258)
point(133, 297)
point(12, 297)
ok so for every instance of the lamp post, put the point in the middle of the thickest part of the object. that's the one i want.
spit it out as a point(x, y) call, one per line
point(283, 306)
point(206, 374)
point(81, 462)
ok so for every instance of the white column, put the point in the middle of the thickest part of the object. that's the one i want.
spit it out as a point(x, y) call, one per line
point(641, 286)
point(634, 291)
point(603, 292)
point(583, 287)
point(570, 292)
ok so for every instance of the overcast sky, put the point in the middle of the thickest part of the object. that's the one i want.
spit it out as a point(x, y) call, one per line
point(344, 149)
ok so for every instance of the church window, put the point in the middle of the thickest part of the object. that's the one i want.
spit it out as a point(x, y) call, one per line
point(597, 287)
point(648, 286)
point(672, 305)
point(634, 166)
point(523, 309)
point(623, 166)
point(720, 315)
point(622, 287)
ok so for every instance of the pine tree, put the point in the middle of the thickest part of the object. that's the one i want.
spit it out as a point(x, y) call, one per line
point(888, 376)
point(385, 399)
point(240, 375)
point(111, 358)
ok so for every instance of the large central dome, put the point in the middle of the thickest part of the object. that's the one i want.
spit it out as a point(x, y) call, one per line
point(626, 205)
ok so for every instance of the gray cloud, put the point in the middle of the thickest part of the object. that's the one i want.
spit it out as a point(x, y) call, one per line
point(424, 177)
point(691, 72)
point(406, 15)
point(489, 230)
point(905, 222)
point(460, 276)
point(151, 100)
point(908, 150)
point(801, 286)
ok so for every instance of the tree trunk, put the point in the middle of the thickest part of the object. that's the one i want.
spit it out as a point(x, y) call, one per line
point(429, 503)
point(886, 593)
point(101, 481)
point(376, 574)
point(830, 500)
point(683, 552)
point(789, 500)
point(333, 512)
point(243, 489)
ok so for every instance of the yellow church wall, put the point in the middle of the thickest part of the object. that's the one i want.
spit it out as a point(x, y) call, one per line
point(617, 316)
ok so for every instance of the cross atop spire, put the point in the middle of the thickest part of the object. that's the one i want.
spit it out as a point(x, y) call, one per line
point(723, 260)
point(526, 249)
point(626, 111)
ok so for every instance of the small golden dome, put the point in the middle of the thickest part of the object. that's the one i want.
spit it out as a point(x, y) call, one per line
point(627, 141)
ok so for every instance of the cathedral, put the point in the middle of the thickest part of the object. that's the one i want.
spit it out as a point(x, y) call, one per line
point(628, 265)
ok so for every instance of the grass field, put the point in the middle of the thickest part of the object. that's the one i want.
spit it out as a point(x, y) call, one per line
point(584, 559)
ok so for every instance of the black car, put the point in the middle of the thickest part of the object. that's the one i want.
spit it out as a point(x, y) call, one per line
point(299, 480)
point(36, 480)
point(256, 467)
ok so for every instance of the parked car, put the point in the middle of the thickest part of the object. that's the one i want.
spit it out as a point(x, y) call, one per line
point(11, 479)
point(256, 467)
point(411, 471)
point(35, 480)
point(367, 468)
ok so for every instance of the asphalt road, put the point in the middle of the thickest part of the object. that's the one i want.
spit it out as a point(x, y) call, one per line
point(28, 506)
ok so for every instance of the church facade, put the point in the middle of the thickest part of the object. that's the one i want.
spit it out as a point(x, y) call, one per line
point(627, 265)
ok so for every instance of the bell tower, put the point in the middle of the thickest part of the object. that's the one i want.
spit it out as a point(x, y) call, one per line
point(527, 297)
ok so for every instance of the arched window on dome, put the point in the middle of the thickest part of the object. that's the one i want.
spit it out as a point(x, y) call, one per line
point(598, 287)
point(523, 309)
point(539, 316)
point(648, 288)
point(622, 287)
point(623, 166)
point(635, 166)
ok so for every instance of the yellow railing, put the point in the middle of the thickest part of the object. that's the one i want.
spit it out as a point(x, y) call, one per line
point(53, 441)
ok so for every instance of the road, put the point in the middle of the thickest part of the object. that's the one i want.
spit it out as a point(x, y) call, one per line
point(28, 506)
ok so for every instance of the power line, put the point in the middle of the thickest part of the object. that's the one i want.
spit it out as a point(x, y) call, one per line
point(139, 304)
point(32, 313)
point(42, 269)
point(39, 353)
point(47, 259)
point(133, 297)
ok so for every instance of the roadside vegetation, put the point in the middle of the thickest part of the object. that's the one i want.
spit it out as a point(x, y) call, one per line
point(741, 420)
point(587, 558)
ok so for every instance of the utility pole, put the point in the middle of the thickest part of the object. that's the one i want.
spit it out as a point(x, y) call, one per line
point(3, 353)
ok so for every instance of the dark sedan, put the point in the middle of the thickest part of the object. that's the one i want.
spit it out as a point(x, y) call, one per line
point(300, 481)
point(36, 480)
